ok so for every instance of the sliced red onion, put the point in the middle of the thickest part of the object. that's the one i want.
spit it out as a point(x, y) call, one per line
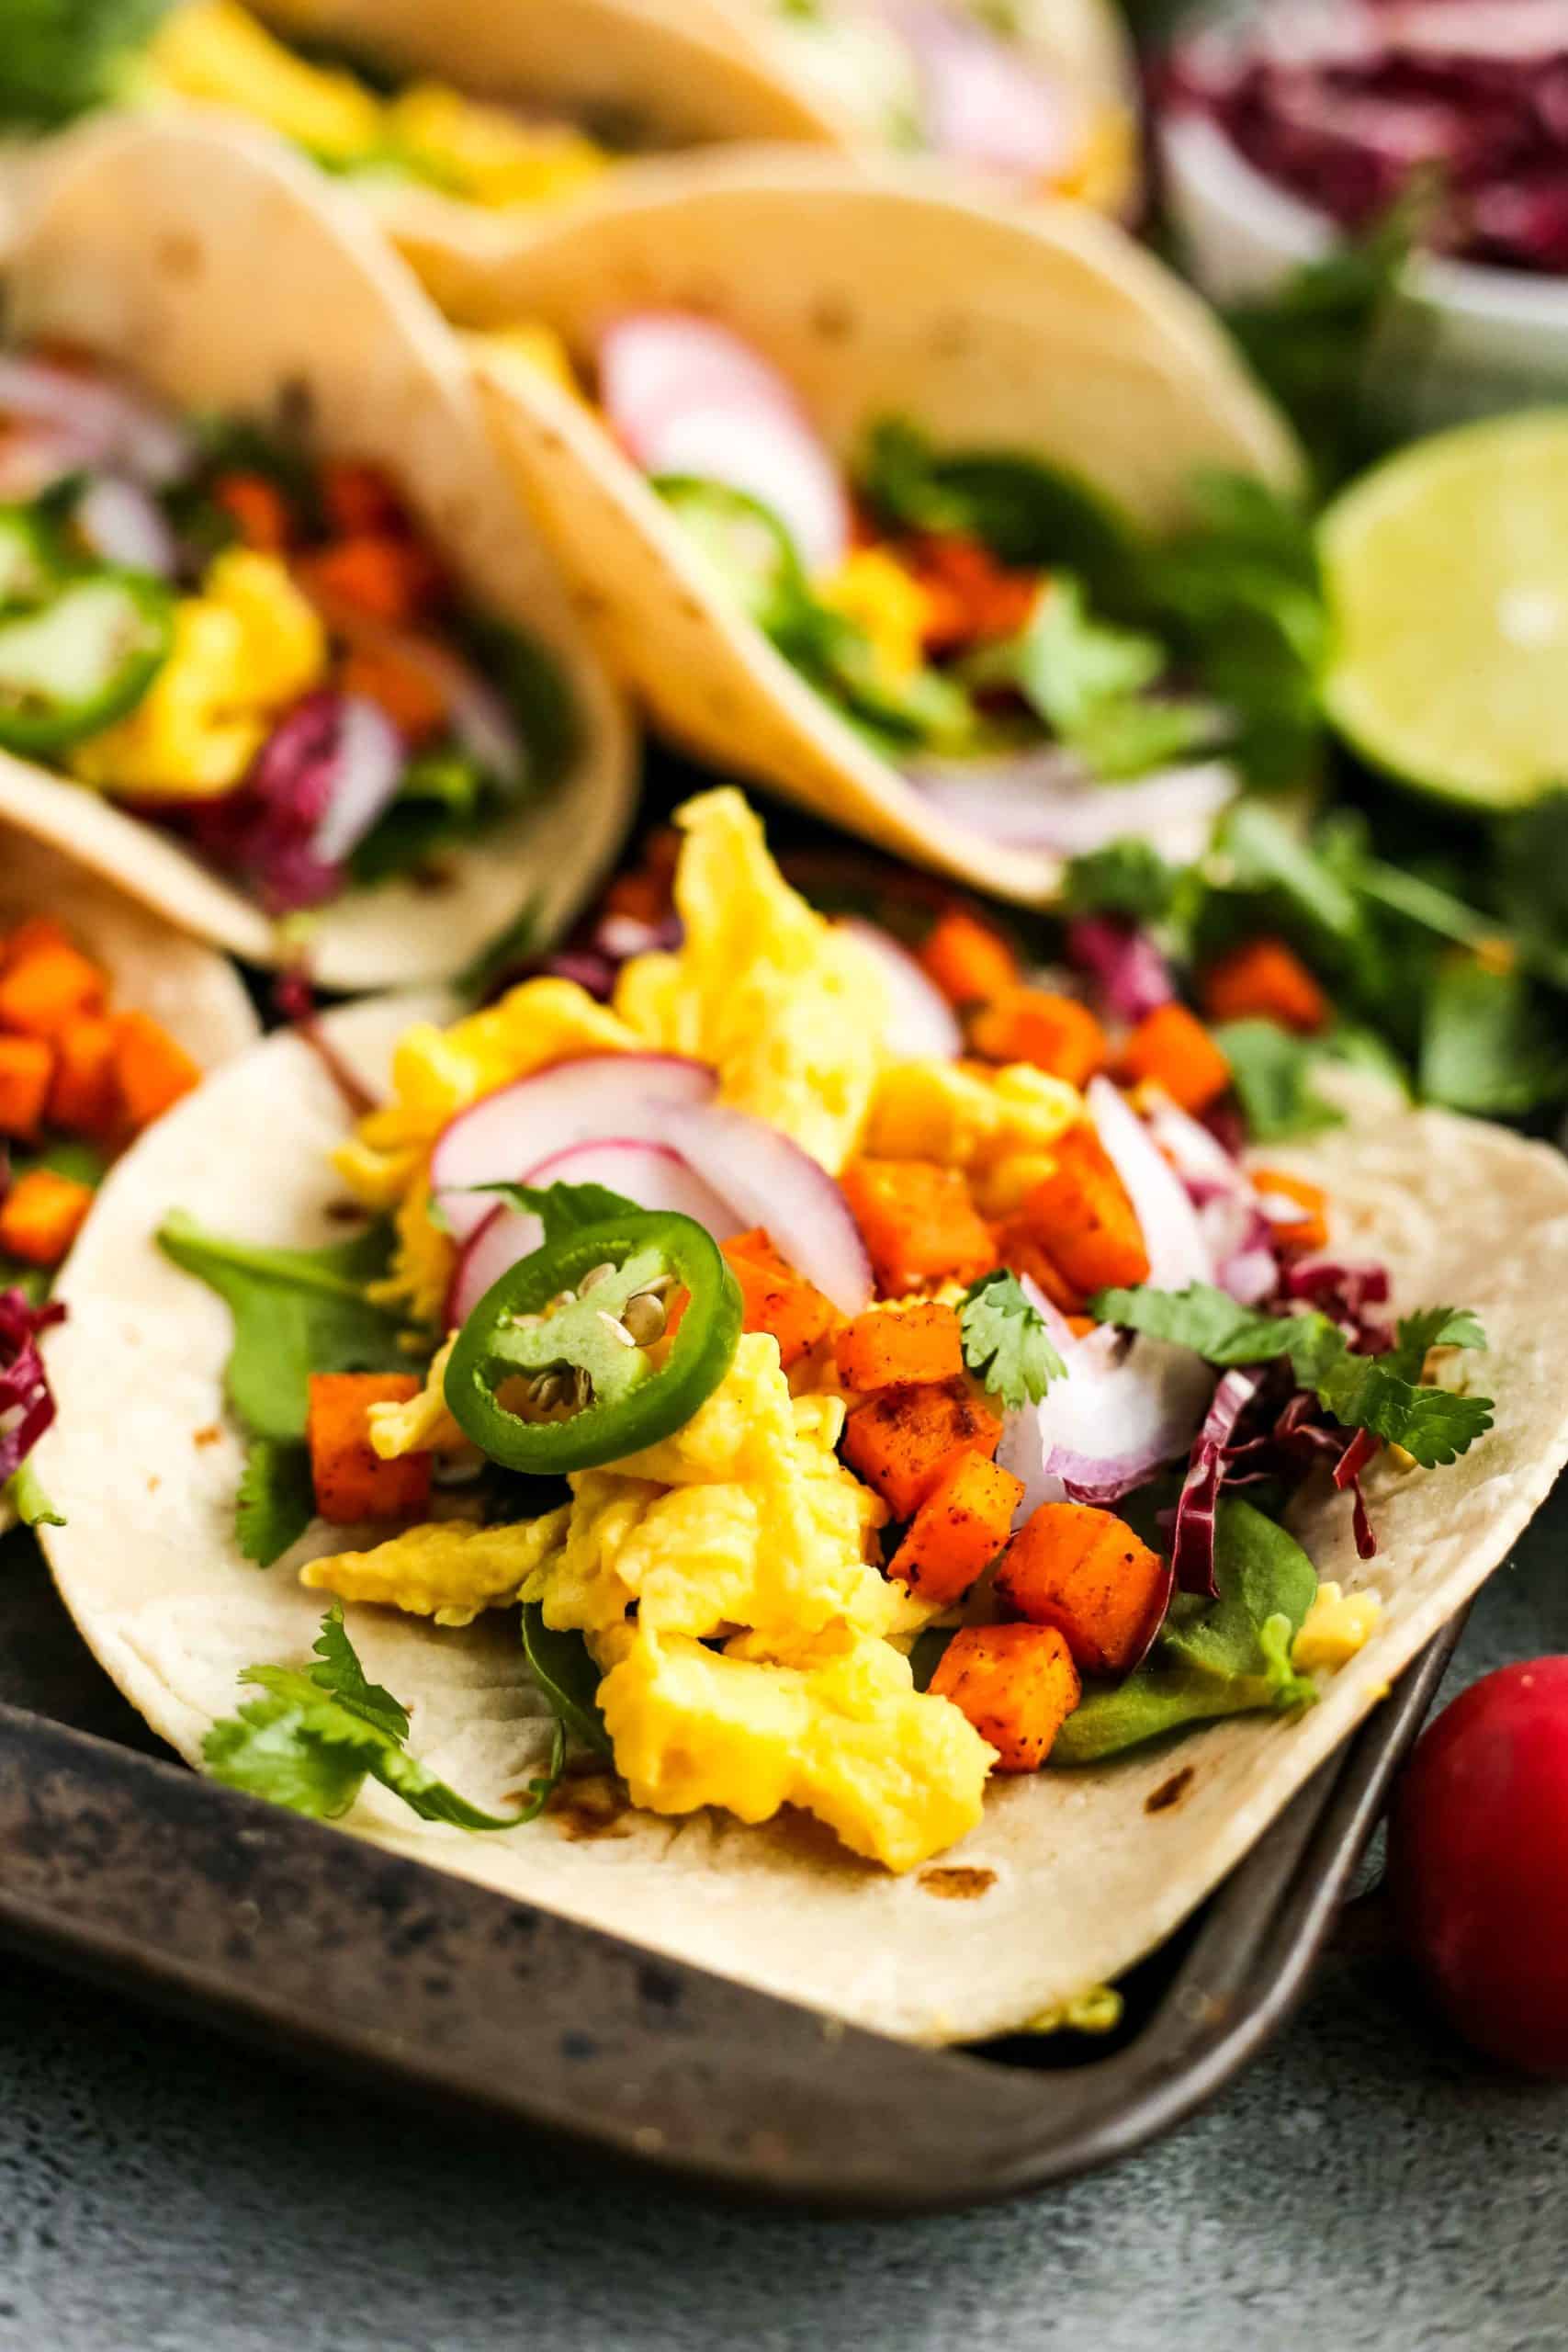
point(687, 397)
point(368, 770)
point(1172, 1237)
point(1192, 1537)
point(588, 1100)
point(269, 832)
point(26, 1404)
point(112, 423)
point(1198, 1156)
point(124, 524)
point(770, 1182)
point(651, 1174)
point(1045, 799)
point(922, 1025)
point(1132, 976)
point(986, 103)
point(34, 459)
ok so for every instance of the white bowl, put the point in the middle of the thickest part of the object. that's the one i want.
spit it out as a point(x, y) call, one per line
point(1465, 341)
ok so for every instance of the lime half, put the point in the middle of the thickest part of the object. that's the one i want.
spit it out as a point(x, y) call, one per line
point(1446, 571)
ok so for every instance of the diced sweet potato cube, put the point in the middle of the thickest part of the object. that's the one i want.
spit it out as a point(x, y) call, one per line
point(1054, 1033)
point(81, 1097)
point(969, 962)
point(349, 1479)
point(918, 1223)
point(1017, 1684)
point(27, 1066)
point(776, 1299)
point(1084, 1571)
point(41, 1215)
point(151, 1070)
point(1024, 1253)
point(958, 1530)
point(902, 1441)
point(1264, 980)
point(1083, 1219)
point(1302, 1234)
point(1171, 1047)
point(893, 1347)
point(30, 938)
point(43, 989)
point(258, 511)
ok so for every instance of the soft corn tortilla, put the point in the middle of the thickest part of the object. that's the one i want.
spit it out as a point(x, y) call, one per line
point(1044, 331)
point(223, 273)
point(196, 995)
point(1069, 1879)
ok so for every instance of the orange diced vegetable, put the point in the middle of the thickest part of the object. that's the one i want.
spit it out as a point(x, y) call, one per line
point(1017, 1684)
point(27, 1066)
point(1083, 1219)
point(81, 1096)
point(900, 1346)
point(257, 509)
point(373, 577)
point(30, 938)
point(404, 686)
point(902, 1442)
point(1264, 980)
point(971, 595)
point(43, 989)
point(776, 1299)
point(41, 1215)
point(1024, 1253)
point(969, 962)
point(918, 1223)
point(151, 1070)
point(958, 1530)
point(358, 500)
point(1172, 1047)
point(1054, 1033)
point(1085, 1572)
point(1311, 1230)
point(350, 1480)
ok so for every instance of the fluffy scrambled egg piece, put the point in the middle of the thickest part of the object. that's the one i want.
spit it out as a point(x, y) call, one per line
point(447, 1569)
point(423, 1425)
point(246, 648)
point(1000, 1126)
point(217, 52)
point(1337, 1625)
point(872, 588)
point(789, 1010)
point(486, 154)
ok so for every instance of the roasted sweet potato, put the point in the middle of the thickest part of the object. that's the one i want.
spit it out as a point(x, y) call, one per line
point(257, 509)
point(1082, 1218)
point(893, 1347)
point(1016, 1683)
point(1264, 980)
point(1172, 1047)
point(969, 962)
point(1085, 1572)
point(777, 1299)
point(26, 1069)
point(1054, 1033)
point(918, 1223)
point(43, 989)
point(958, 1530)
point(399, 684)
point(151, 1070)
point(41, 1215)
point(81, 1097)
point(903, 1441)
point(351, 1481)
point(1308, 1232)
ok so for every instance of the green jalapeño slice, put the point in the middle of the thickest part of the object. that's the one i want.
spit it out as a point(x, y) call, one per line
point(562, 1366)
point(73, 666)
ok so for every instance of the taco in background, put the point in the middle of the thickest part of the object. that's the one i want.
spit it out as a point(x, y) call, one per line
point(108, 1018)
point(1037, 100)
point(652, 1443)
point(857, 483)
point(274, 656)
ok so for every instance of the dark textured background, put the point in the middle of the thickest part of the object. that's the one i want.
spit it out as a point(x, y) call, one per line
point(1366, 2185)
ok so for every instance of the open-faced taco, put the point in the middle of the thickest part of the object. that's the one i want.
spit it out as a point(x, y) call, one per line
point(733, 1321)
point(858, 486)
point(275, 656)
point(108, 1018)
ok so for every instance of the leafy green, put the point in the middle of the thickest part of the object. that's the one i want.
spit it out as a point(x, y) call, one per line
point(276, 1502)
point(24, 1491)
point(295, 1312)
point(564, 1209)
point(1379, 1394)
point(1486, 1043)
point(1127, 877)
point(1226, 1656)
point(515, 941)
point(59, 58)
point(443, 799)
point(310, 1740)
point(1272, 1070)
point(566, 1674)
point(1006, 1344)
point(1086, 679)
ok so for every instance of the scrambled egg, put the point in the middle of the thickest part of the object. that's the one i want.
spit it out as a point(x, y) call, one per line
point(1000, 1126)
point(871, 587)
point(486, 154)
point(216, 51)
point(244, 648)
point(788, 1009)
point(532, 348)
point(449, 1569)
point(1336, 1626)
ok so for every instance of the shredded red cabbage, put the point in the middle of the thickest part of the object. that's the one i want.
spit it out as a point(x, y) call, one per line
point(266, 833)
point(1131, 977)
point(24, 1382)
point(1193, 1533)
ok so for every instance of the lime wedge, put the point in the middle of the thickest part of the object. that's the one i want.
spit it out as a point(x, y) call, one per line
point(1447, 573)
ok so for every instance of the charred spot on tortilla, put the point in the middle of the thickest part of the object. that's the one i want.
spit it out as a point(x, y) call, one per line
point(431, 880)
point(210, 1434)
point(589, 1805)
point(178, 253)
point(949, 337)
point(958, 1883)
point(832, 318)
point(1169, 1792)
point(346, 1212)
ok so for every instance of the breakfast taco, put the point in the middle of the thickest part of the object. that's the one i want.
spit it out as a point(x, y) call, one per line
point(274, 656)
point(789, 1426)
point(861, 486)
point(108, 1018)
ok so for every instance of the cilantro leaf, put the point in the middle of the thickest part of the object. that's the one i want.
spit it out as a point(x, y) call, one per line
point(1379, 1394)
point(295, 1312)
point(62, 57)
point(314, 1735)
point(560, 1663)
point(1486, 1045)
point(276, 1502)
point(1085, 677)
point(1006, 1343)
point(25, 1493)
point(1127, 877)
point(564, 1209)
point(1272, 1069)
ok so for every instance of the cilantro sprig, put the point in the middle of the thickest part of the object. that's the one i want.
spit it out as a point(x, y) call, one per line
point(1006, 1344)
point(317, 1732)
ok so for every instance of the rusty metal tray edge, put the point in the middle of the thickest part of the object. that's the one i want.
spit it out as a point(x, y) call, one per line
point(140, 1875)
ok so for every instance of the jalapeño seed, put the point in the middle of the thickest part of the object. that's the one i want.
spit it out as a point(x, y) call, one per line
point(547, 1391)
point(618, 1330)
point(562, 1298)
point(593, 1277)
point(644, 1317)
point(582, 1390)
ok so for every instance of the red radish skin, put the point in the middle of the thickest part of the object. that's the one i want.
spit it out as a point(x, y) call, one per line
point(1478, 1864)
